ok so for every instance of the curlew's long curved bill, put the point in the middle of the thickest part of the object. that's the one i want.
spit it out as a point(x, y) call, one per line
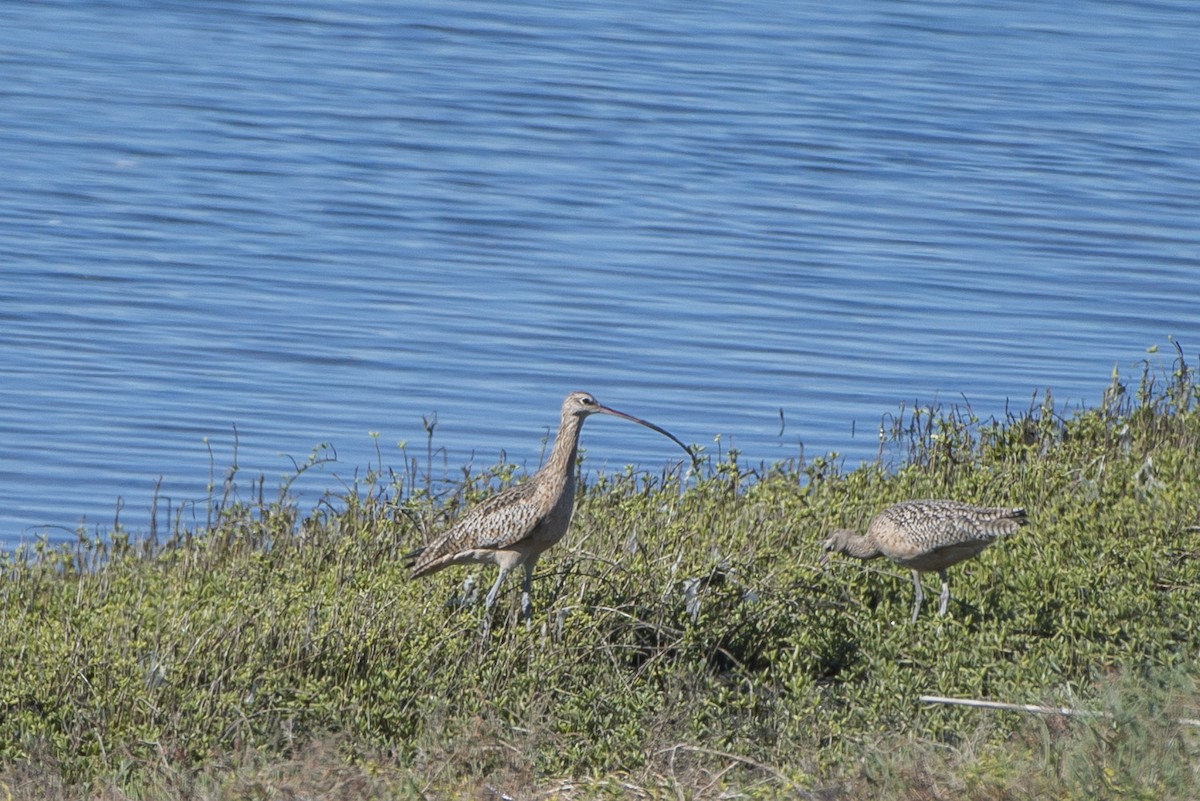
point(651, 426)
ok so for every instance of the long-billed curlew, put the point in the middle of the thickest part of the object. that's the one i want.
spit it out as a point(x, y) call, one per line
point(927, 535)
point(513, 527)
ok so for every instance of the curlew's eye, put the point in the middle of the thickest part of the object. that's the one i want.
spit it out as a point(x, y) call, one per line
point(586, 401)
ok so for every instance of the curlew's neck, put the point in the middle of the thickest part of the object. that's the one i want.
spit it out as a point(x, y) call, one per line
point(854, 544)
point(559, 468)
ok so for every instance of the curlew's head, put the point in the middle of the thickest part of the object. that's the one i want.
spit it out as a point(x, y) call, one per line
point(582, 404)
point(843, 540)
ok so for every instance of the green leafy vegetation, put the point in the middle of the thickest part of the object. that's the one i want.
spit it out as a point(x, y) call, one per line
point(686, 643)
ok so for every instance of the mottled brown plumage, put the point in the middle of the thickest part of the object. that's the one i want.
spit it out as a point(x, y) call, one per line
point(512, 528)
point(927, 535)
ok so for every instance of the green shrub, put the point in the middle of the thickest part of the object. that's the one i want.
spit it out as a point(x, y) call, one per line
point(685, 641)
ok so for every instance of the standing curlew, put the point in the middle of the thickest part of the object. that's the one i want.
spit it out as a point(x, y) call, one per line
point(927, 535)
point(511, 528)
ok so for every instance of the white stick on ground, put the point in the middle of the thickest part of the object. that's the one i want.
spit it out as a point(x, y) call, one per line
point(1040, 710)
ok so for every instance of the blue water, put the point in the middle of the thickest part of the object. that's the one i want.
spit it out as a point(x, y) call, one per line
point(319, 221)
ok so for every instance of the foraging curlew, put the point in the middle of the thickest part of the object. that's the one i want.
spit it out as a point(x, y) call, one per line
point(927, 535)
point(511, 528)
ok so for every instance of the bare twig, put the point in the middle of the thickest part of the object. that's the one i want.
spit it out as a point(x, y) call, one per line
point(1033, 708)
point(726, 755)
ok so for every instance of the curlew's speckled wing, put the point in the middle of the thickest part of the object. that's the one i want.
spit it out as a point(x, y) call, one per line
point(931, 534)
point(497, 521)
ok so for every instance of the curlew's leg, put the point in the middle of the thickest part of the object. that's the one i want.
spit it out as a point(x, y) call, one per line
point(527, 589)
point(945, 592)
point(920, 595)
point(527, 593)
point(490, 601)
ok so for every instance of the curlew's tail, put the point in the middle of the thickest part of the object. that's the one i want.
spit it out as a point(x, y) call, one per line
point(429, 558)
point(410, 559)
point(1007, 521)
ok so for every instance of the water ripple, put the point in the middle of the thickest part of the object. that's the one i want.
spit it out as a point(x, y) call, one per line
point(314, 221)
